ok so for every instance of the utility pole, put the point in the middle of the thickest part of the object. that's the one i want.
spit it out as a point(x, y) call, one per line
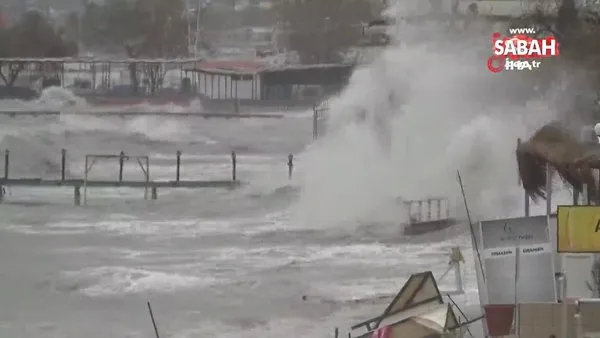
point(324, 36)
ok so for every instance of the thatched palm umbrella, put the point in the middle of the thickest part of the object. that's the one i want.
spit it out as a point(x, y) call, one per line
point(553, 145)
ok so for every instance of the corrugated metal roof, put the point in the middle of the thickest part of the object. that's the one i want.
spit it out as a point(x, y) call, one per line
point(231, 66)
point(276, 68)
point(100, 60)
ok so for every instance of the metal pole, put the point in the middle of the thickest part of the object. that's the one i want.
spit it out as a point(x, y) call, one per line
point(153, 321)
point(147, 178)
point(63, 161)
point(290, 166)
point(178, 166)
point(473, 239)
point(597, 172)
point(548, 190)
point(85, 179)
point(6, 163)
point(121, 160)
point(315, 122)
point(526, 204)
point(233, 166)
point(525, 191)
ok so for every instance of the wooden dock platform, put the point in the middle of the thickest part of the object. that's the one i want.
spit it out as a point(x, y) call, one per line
point(130, 114)
point(427, 215)
point(39, 182)
point(143, 162)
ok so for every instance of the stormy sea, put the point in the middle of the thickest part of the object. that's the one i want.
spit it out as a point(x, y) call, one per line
point(276, 257)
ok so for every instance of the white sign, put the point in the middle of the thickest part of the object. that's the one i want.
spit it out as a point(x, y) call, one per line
point(517, 257)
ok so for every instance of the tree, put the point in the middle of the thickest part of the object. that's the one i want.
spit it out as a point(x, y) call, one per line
point(71, 27)
point(577, 30)
point(140, 28)
point(32, 37)
point(319, 30)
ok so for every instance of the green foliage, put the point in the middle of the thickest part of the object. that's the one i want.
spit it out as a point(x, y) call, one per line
point(143, 28)
point(34, 36)
point(577, 30)
point(319, 29)
point(71, 27)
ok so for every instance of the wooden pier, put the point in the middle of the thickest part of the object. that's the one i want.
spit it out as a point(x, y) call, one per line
point(144, 164)
point(130, 114)
point(427, 215)
point(39, 182)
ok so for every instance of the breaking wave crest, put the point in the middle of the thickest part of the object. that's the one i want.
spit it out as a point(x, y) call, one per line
point(446, 113)
point(114, 281)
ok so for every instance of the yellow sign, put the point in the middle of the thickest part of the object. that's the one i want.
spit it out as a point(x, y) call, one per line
point(578, 228)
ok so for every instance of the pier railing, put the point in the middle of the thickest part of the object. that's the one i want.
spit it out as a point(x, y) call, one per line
point(133, 114)
point(320, 111)
point(427, 210)
point(144, 164)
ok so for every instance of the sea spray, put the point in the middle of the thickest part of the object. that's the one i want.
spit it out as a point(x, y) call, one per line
point(453, 115)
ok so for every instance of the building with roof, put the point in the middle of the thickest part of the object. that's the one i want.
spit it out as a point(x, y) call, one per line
point(263, 84)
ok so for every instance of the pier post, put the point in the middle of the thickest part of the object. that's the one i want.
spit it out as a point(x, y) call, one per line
point(315, 122)
point(336, 333)
point(548, 190)
point(456, 258)
point(290, 165)
point(154, 193)
point(233, 166)
point(121, 160)
point(77, 195)
point(527, 200)
point(2, 193)
point(6, 163)
point(597, 174)
point(63, 161)
point(429, 209)
point(178, 166)
point(236, 106)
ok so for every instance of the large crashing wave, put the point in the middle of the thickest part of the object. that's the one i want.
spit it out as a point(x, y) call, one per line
point(453, 115)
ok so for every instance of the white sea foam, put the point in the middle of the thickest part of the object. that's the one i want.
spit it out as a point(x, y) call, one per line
point(446, 112)
point(119, 280)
